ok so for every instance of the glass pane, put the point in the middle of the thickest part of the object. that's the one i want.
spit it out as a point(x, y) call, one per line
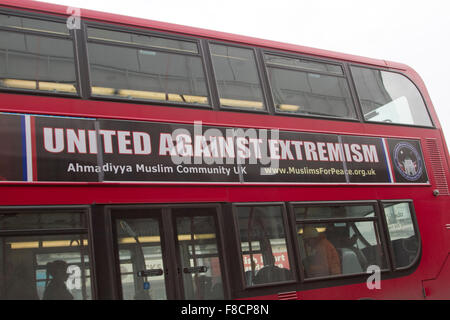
point(330, 249)
point(45, 267)
point(138, 39)
point(389, 97)
point(33, 24)
point(11, 167)
point(41, 220)
point(36, 63)
point(303, 64)
point(237, 77)
point(337, 211)
point(141, 262)
point(263, 245)
point(310, 93)
point(146, 75)
point(200, 263)
point(404, 239)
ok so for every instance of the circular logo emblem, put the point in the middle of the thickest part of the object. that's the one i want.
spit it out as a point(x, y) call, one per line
point(408, 162)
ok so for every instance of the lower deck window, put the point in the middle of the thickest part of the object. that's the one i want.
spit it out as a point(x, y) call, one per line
point(36, 265)
point(403, 236)
point(338, 240)
point(263, 245)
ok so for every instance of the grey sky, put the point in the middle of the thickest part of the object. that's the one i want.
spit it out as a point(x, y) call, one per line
point(414, 32)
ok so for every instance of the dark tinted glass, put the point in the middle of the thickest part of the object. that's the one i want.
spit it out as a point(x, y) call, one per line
point(36, 63)
point(310, 93)
point(331, 212)
point(389, 97)
point(26, 24)
point(41, 220)
point(237, 77)
point(145, 74)
point(145, 40)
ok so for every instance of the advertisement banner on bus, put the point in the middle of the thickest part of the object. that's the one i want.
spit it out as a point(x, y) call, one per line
point(62, 149)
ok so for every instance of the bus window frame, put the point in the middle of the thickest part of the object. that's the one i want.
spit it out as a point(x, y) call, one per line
point(345, 75)
point(71, 36)
point(290, 250)
point(117, 212)
point(363, 119)
point(86, 23)
point(412, 212)
point(217, 211)
point(261, 76)
point(169, 242)
point(86, 231)
point(85, 209)
point(379, 231)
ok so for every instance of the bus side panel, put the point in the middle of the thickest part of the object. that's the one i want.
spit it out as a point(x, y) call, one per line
point(438, 288)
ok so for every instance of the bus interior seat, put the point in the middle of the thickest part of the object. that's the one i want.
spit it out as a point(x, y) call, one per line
point(372, 255)
point(405, 250)
point(272, 273)
point(349, 261)
point(339, 237)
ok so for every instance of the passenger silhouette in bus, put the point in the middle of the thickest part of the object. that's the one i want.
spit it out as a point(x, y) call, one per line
point(56, 288)
point(323, 258)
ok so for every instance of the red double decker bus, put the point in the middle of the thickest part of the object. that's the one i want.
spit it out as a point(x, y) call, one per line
point(146, 160)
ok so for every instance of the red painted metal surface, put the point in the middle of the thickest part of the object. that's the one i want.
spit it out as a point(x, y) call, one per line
point(432, 212)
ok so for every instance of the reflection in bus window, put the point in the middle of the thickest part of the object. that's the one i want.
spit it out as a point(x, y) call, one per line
point(389, 97)
point(142, 40)
point(346, 242)
point(299, 90)
point(263, 245)
point(153, 71)
point(404, 240)
point(200, 263)
point(36, 62)
point(237, 77)
point(27, 24)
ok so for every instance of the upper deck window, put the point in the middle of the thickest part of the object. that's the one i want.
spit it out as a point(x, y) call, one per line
point(237, 77)
point(308, 87)
point(36, 55)
point(303, 64)
point(142, 40)
point(142, 67)
point(26, 24)
point(389, 97)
